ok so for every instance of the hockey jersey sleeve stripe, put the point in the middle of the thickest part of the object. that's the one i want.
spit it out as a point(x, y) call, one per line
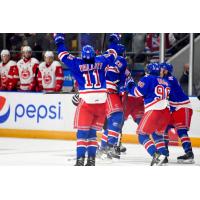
point(112, 69)
point(179, 103)
point(111, 83)
point(152, 103)
point(137, 93)
point(62, 54)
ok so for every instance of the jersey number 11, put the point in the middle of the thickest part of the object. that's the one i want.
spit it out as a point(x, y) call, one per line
point(88, 82)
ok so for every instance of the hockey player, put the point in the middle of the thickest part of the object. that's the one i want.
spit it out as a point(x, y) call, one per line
point(50, 75)
point(181, 114)
point(155, 91)
point(115, 78)
point(8, 72)
point(27, 70)
point(89, 71)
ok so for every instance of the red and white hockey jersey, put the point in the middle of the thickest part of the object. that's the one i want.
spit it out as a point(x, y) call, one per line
point(50, 77)
point(8, 75)
point(27, 73)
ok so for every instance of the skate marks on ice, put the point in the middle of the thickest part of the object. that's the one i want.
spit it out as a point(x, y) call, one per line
point(60, 152)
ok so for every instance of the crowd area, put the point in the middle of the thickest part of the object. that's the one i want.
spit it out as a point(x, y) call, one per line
point(28, 74)
point(27, 49)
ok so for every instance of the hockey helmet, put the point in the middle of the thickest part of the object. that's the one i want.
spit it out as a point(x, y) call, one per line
point(153, 69)
point(167, 66)
point(88, 52)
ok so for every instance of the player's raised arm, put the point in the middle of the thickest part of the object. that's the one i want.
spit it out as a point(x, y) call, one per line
point(63, 53)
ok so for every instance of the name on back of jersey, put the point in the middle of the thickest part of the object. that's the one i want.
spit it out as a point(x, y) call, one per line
point(90, 67)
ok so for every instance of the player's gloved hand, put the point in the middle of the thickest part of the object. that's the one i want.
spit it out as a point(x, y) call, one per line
point(10, 86)
point(31, 87)
point(2, 88)
point(122, 91)
point(75, 99)
point(59, 38)
point(198, 97)
point(39, 88)
point(129, 84)
point(58, 88)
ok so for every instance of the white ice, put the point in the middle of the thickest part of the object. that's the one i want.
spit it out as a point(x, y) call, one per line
point(14, 151)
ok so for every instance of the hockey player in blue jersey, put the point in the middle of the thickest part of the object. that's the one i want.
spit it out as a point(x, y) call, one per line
point(115, 78)
point(181, 113)
point(155, 91)
point(89, 72)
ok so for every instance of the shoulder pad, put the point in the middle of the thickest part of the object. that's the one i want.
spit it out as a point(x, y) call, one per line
point(35, 60)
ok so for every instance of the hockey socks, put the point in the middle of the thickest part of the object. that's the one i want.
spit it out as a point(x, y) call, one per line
point(160, 144)
point(166, 136)
point(92, 144)
point(147, 143)
point(114, 125)
point(104, 139)
point(185, 140)
point(82, 142)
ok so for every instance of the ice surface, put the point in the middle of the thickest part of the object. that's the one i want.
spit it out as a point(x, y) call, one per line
point(14, 151)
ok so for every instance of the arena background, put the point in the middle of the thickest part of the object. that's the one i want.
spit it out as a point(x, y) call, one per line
point(141, 48)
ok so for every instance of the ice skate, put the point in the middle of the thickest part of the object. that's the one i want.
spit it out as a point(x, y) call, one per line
point(188, 158)
point(90, 161)
point(113, 153)
point(80, 162)
point(158, 159)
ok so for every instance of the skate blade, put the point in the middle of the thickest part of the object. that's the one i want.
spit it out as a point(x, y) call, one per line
point(161, 158)
point(189, 161)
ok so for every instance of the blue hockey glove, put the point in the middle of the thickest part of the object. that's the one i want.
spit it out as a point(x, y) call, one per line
point(59, 38)
point(129, 84)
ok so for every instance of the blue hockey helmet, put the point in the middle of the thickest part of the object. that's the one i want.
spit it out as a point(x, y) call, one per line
point(88, 52)
point(119, 48)
point(167, 66)
point(115, 38)
point(153, 69)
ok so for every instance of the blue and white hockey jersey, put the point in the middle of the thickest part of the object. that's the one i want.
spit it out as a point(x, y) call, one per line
point(90, 77)
point(115, 75)
point(155, 91)
point(177, 98)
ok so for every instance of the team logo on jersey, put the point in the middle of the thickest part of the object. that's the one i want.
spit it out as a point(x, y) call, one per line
point(4, 109)
point(47, 79)
point(141, 84)
point(25, 74)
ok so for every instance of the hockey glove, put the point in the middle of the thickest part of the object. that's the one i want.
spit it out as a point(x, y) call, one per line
point(59, 38)
point(75, 99)
point(129, 84)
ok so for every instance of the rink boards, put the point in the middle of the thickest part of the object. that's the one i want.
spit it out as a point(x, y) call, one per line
point(38, 115)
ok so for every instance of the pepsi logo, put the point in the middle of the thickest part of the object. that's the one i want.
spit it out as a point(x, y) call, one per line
point(4, 109)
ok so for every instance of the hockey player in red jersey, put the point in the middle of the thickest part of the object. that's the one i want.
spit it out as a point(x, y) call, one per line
point(8, 72)
point(50, 75)
point(27, 70)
